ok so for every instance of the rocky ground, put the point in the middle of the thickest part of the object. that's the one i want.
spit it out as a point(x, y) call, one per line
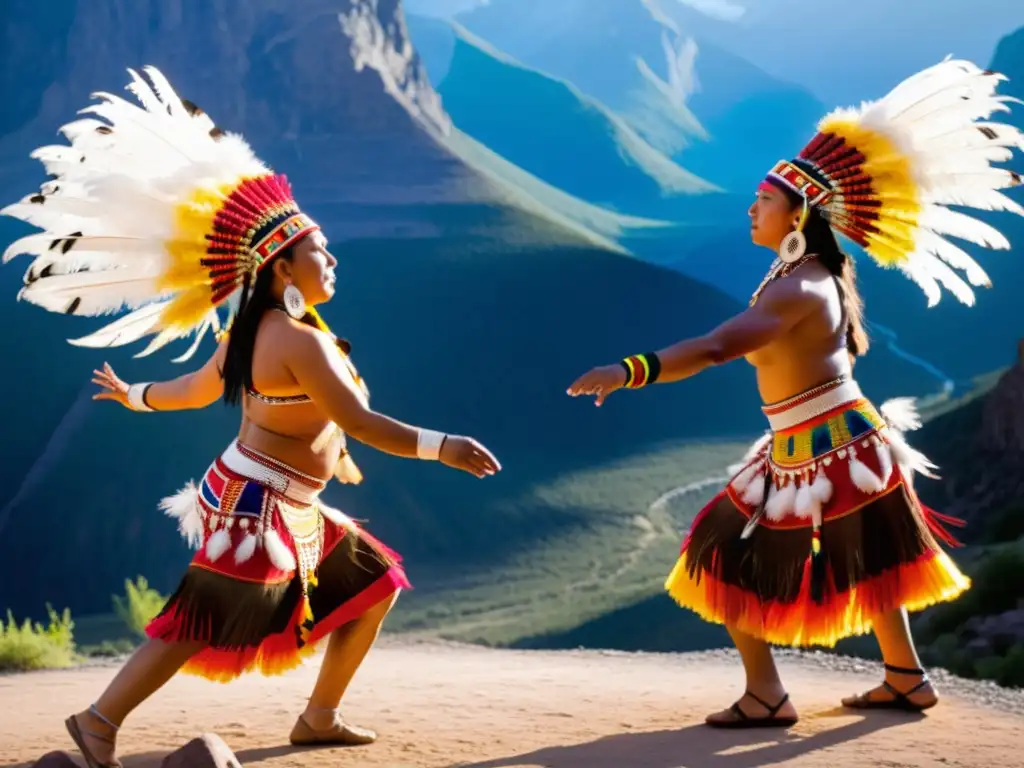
point(444, 705)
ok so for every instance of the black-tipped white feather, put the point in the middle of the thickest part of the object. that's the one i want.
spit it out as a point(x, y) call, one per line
point(108, 211)
point(939, 122)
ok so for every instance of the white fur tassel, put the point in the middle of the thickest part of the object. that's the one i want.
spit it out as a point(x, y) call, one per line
point(781, 502)
point(866, 480)
point(279, 554)
point(900, 413)
point(741, 482)
point(246, 549)
point(218, 543)
point(806, 504)
point(884, 461)
point(909, 459)
point(184, 507)
point(754, 493)
point(821, 490)
point(336, 516)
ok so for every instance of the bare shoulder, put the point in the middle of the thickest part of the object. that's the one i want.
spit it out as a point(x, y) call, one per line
point(295, 338)
point(809, 281)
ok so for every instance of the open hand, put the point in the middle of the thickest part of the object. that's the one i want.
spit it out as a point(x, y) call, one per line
point(114, 388)
point(599, 382)
point(467, 454)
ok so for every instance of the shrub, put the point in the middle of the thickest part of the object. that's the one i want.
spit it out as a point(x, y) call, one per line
point(1011, 672)
point(34, 646)
point(108, 649)
point(139, 605)
point(998, 585)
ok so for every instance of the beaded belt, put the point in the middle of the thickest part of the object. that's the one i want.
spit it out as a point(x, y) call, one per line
point(296, 486)
point(798, 409)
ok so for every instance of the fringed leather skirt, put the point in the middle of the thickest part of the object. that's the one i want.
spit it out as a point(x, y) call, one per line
point(276, 569)
point(819, 530)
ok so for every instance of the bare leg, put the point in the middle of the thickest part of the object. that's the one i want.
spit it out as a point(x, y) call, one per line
point(346, 650)
point(892, 631)
point(762, 681)
point(149, 668)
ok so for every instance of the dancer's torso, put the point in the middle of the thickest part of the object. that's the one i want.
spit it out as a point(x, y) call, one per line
point(813, 352)
point(278, 419)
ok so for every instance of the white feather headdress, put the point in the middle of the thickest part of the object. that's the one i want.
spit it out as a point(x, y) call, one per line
point(156, 210)
point(884, 173)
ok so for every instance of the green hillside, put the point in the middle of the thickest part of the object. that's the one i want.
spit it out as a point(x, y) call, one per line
point(448, 334)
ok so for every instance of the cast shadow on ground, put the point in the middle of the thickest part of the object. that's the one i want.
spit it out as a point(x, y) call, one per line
point(697, 746)
point(694, 746)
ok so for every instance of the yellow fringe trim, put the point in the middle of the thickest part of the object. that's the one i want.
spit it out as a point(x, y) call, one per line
point(917, 586)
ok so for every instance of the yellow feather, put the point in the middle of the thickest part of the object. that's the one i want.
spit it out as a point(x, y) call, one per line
point(894, 187)
point(187, 309)
point(193, 221)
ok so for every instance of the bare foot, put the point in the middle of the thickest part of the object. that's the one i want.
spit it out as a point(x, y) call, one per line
point(95, 739)
point(753, 709)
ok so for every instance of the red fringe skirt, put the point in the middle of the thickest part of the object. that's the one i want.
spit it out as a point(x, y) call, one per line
point(819, 530)
point(276, 569)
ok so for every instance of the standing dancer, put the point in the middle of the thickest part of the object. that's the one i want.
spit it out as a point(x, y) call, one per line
point(160, 210)
point(819, 534)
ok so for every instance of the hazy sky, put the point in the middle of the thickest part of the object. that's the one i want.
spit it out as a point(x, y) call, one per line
point(721, 9)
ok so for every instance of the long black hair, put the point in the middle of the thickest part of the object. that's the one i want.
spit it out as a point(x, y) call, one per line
point(242, 337)
point(821, 240)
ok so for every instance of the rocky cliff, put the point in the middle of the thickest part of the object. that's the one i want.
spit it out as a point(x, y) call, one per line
point(979, 447)
point(331, 92)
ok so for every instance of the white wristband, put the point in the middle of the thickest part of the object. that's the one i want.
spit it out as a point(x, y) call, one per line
point(135, 396)
point(428, 444)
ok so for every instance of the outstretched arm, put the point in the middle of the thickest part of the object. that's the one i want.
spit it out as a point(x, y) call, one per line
point(197, 389)
point(780, 307)
point(318, 367)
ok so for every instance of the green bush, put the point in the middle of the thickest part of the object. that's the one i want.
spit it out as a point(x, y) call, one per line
point(1011, 672)
point(34, 646)
point(1004, 525)
point(139, 605)
point(108, 649)
point(998, 585)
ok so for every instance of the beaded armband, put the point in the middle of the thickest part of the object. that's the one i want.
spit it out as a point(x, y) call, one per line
point(641, 370)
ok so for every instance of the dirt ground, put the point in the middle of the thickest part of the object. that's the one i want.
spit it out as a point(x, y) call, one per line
point(443, 705)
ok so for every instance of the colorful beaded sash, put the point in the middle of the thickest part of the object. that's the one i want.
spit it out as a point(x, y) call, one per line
point(824, 434)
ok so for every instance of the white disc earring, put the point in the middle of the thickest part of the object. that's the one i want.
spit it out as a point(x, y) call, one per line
point(793, 246)
point(294, 302)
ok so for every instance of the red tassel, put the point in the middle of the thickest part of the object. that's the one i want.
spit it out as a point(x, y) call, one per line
point(936, 519)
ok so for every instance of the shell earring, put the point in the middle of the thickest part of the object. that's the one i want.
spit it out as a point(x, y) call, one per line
point(294, 302)
point(794, 245)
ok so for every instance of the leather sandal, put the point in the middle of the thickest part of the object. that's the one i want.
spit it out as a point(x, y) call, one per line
point(900, 700)
point(743, 720)
point(78, 735)
point(339, 734)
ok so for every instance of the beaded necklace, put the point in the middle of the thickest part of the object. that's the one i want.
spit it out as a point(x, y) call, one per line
point(779, 269)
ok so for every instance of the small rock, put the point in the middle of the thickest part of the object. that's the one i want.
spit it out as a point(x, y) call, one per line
point(207, 751)
point(55, 760)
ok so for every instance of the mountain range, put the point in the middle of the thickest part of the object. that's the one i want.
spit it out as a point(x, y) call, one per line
point(511, 206)
point(463, 283)
point(739, 119)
